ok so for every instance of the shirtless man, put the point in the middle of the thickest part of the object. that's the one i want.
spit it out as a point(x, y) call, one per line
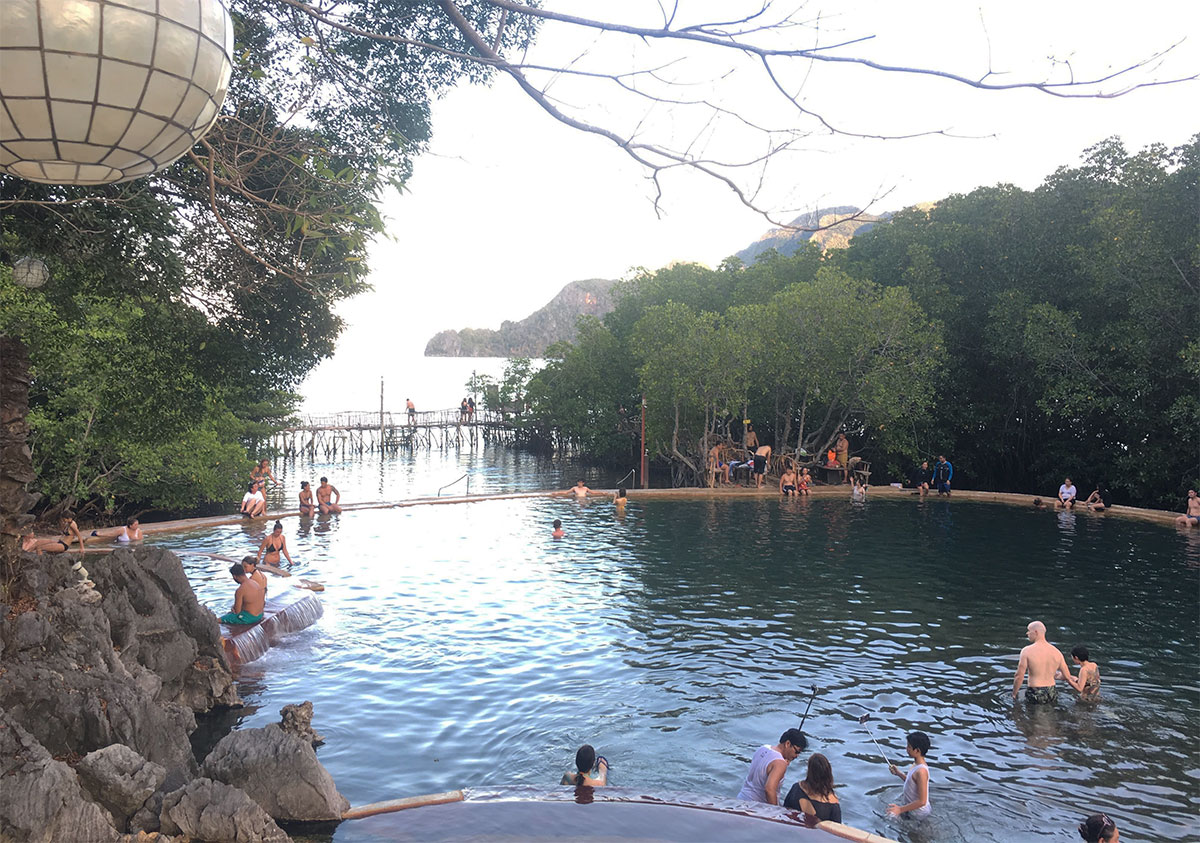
point(323, 493)
point(412, 412)
point(250, 566)
point(750, 440)
point(579, 490)
point(1042, 660)
point(248, 601)
point(787, 482)
point(1192, 517)
point(762, 455)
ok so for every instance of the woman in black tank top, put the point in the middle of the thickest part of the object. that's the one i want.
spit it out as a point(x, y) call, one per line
point(814, 796)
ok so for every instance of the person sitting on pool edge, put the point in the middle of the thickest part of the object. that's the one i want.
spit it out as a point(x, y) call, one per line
point(254, 505)
point(787, 482)
point(250, 566)
point(1066, 494)
point(768, 766)
point(248, 601)
point(814, 794)
point(1191, 515)
point(307, 508)
point(1098, 828)
point(1042, 661)
point(324, 491)
point(916, 780)
point(586, 760)
point(558, 530)
point(1100, 499)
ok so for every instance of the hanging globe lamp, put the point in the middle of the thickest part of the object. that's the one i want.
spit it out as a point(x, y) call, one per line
point(100, 91)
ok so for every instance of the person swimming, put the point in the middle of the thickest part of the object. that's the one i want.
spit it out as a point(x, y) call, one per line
point(586, 760)
point(621, 497)
point(274, 544)
point(1098, 828)
point(558, 530)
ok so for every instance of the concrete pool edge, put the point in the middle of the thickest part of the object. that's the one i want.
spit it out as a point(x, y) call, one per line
point(617, 795)
point(1155, 516)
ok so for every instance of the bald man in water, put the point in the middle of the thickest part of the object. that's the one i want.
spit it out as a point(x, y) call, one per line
point(1043, 661)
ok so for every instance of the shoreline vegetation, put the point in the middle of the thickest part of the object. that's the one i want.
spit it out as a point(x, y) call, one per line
point(1026, 335)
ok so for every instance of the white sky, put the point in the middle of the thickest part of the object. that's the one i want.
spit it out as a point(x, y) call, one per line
point(509, 205)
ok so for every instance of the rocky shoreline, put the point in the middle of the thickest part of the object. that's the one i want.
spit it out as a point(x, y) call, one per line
point(100, 686)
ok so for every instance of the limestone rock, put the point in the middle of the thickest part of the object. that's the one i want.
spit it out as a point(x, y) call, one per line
point(120, 780)
point(279, 771)
point(156, 622)
point(297, 720)
point(41, 799)
point(212, 811)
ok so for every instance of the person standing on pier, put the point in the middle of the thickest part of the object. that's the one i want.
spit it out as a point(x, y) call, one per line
point(412, 412)
point(471, 408)
point(324, 491)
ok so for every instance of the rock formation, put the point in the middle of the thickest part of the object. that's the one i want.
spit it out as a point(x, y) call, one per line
point(297, 720)
point(208, 810)
point(829, 228)
point(259, 760)
point(530, 337)
point(120, 780)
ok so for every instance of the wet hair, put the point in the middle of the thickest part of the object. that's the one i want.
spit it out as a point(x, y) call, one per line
point(819, 775)
point(1037, 501)
point(250, 560)
point(918, 741)
point(131, 522)
point(324, 479)
point(1081, 652)
point(621, 493)
point(557, 524)
point(303, 484)
point(1096, 828)
point(278, 525)
point(585, 760)
point(796, 738)
point(237, 570)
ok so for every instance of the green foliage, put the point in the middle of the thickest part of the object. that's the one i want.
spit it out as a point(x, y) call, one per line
point(1069, 313)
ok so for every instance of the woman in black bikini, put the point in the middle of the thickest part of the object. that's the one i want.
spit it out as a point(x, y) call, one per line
point(307, 507)
point(273, 545)
point(814, 795)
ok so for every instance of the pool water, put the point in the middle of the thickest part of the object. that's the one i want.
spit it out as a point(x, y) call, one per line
point(461, 647)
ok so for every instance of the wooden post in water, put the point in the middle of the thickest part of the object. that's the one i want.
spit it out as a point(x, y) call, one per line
point(381, 414)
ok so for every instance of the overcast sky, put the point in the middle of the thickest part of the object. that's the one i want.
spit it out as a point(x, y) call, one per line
point(509, 205)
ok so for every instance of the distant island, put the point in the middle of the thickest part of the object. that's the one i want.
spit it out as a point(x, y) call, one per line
point(832, 228)
point(535, 333)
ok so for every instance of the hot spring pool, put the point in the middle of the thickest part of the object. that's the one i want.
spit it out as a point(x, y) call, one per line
point(461, 647)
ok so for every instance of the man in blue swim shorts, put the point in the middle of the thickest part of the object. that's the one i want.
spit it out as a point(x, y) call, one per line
point(1191, 516)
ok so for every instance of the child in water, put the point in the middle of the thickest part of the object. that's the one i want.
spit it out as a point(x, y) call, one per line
point(586, 760)
point(558, 530)
point(916, 781)
point(1088, 681)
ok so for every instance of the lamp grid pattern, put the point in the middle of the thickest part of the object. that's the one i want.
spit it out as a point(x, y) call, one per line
point(99, 91)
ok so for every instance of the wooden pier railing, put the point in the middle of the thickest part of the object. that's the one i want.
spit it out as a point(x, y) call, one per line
point(354, 432)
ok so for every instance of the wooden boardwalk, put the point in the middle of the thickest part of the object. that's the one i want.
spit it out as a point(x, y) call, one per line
point(362, 432)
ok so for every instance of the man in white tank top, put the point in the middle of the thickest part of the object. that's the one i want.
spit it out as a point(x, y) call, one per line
point(768, 767)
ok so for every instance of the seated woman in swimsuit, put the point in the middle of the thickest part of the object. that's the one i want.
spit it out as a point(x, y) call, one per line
point(814, 795)
point(273, 545)
point(131, 532)
point(586, 760)
point(307, 507)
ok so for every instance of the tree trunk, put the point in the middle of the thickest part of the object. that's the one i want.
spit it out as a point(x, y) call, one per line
point(16, 461)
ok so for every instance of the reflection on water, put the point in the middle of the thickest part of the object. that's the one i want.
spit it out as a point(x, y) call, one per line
point(462, 647)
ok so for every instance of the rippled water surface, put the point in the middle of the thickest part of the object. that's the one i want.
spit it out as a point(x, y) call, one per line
point(461, 646)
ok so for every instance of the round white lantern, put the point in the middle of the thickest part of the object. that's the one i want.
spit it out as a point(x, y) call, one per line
point(30, 272)
point(98, 91)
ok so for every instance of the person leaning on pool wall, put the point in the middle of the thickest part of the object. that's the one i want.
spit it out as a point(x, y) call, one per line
point(587, 760)
point(1098, 828)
